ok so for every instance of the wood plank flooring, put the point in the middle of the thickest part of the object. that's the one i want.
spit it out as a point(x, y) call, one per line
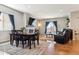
point(66, 49)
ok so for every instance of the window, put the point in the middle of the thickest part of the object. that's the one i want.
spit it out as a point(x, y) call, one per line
point(5, 23)
point(51, 29)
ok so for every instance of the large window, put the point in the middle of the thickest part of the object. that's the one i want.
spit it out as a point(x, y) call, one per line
point(51, 27)
point(5, 22)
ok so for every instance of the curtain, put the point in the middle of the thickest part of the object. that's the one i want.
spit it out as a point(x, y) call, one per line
point(1, 21)
point(12, 20)
point(31, 20)
point(46, 27)
point(55, 22)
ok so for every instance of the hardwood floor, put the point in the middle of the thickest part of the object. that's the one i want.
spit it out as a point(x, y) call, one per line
point(71, 48)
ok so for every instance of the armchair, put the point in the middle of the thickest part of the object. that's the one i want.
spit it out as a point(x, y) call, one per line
point(62, 39)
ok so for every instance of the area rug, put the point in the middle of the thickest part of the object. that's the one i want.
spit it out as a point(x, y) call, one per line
point(13, 50)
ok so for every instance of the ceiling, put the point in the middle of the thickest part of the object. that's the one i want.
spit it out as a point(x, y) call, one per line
point(46, 10)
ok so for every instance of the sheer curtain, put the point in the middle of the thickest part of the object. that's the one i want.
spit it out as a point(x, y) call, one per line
point(1, 21)
point(7, 23)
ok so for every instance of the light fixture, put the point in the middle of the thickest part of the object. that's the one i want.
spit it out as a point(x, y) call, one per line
point(39, 25)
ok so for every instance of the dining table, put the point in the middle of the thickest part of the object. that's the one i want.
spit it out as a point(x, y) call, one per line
point(22, 37)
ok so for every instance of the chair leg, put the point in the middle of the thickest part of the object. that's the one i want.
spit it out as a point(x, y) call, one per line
point(29, 43)
point(34, 43)
point(11, 40)
point(25, 42)
point(22, 44)
point(17, 43)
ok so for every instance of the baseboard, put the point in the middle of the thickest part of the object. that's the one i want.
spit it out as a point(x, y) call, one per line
point(4, 41)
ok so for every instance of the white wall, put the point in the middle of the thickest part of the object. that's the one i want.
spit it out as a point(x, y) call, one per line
point(74, 22)
point(18, 18)
point(61, 23)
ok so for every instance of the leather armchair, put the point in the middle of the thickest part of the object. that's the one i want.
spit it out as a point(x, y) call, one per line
point(62, 39)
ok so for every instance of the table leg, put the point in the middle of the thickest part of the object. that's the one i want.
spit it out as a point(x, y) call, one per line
point(29, 43)
point(11, 40)
point(38, 41)
point(17, 43)
point(22, 44)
